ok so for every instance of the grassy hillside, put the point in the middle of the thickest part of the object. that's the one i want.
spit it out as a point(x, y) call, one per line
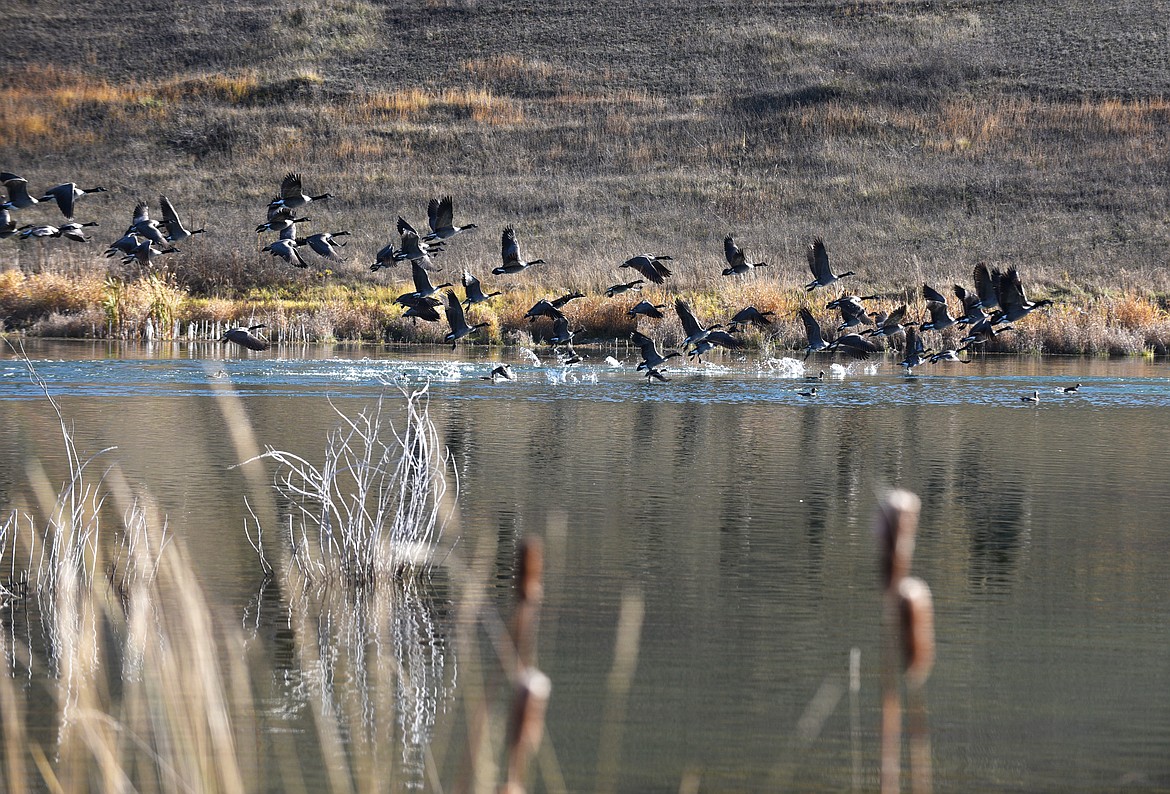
point(916, 138)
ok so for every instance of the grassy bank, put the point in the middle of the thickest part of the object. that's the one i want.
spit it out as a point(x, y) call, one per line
point(916, 140)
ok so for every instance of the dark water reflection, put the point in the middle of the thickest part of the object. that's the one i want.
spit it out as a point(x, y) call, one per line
point(741, 511)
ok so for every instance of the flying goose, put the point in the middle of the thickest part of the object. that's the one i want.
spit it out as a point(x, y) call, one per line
point(419, 308)
point(915, 354)
point(648, 309)
point(559, 303)
point(439, 216)
point(695, 332)
point(853, 345)
point(422, 282)
point(852, 310)
point(18, 197)
point(936, 304)
point(818, 263)
point(812, 331)
point(951, 355)
point(280, 221)
point(67, 194)
point(292, 194)
point(618, 289)
point(651, 358)
point(510, 254)
point(244, 338)
point(650, 266)
point(126, 244)
point(501, 372)
point(891, 324)
point(1014, 305)
point(653, 374)
point(543, 308)
point(73, 231)
point(146, 227)
point(750, 315)
point(713, 339)
point(145, 252)
point(475, 293)
point(737, 261)
point(456, 319)
point(40, 231)
point(176, 231)
point(324, 244)
point(561, 334)
point(987, 286)
point(286, 249)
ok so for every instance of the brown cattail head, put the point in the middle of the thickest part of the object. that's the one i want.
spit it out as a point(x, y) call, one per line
point(526, 723)
point(897, 521)
point(916, 611)
point(530, 570)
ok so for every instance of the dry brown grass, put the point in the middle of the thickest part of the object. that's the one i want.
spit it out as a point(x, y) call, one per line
point(599, 143)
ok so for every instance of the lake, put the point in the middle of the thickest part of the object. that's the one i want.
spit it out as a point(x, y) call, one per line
point(738, 512)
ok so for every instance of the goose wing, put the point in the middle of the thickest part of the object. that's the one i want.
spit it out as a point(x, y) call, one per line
point(855, 346)
point(440, 213)
point(291, 187)
point(929, 293)
point(422, 283)
point(818, 260)
point(509, 248)
point(454, 312)
point(64, 195)
point(812, 328)
point(985, 286)
point(687, 318)
point(732, 252)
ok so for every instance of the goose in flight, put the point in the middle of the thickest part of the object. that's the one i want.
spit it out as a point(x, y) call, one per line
point(286, 248)
point(126, 244)
point(713, 339)
point(75, 231)
point(475, 293)
point(146, 227)
point(176, 231)
point(1014, 304)
point(695, 332)
point(854, 345)
point(950, 355)
point(892, 323)
point(324, 244)
point(751, 315)
point(618, 289)
point(653, 374)
point(987, 286)
point(650, 266)
point(66, 196)
point(145, 252)
point(510, 253)
point(280, 221)
point(852, 310)
point(501, 372)
point(936, 304)
point(422, 282)
point(456, 319)
point(17, 187)
point(561, 334)
point(737, 261)
point(651, 358)
point(544, 308)
point(419, 308)
point(818, 263)
point(439, 217)
point(244, 337)
point(916, 353)
point(647, 309)
point(559, 303)
point(812, 332)
point(292, 192)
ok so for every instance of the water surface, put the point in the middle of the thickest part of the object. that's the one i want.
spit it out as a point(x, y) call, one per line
point(740, 510)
